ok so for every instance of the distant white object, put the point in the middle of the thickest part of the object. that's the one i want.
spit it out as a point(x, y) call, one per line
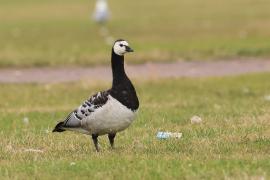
point(101, 13)
point(167, 135)
point(195, 120)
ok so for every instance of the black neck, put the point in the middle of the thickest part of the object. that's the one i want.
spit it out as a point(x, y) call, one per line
point(118, 70)
point(122, 88)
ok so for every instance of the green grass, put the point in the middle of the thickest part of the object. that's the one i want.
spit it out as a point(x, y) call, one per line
point(61, 32)
point(232, 142)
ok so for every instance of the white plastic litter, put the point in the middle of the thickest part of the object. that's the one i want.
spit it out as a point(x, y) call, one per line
point(167, 135)
point(195, 120)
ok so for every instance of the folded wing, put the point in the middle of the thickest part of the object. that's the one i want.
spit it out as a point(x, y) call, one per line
point(74, 119)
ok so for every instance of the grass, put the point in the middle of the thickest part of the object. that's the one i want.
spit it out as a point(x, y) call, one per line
point(232, 142)
point(51, 33)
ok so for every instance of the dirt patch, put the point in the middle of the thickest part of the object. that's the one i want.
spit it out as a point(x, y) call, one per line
point(143, 71)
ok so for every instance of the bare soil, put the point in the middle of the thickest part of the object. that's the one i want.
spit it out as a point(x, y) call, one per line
point(143, 71)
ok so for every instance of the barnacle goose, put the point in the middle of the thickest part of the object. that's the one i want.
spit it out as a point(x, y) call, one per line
point(110, 111)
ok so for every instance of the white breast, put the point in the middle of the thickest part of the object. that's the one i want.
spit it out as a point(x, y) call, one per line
point(110, 118)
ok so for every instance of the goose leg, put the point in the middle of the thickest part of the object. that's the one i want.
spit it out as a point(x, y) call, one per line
point(111, 137)
point(95, 140)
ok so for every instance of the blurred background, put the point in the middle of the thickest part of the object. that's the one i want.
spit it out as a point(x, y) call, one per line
point(48, 49)
point(63, 32)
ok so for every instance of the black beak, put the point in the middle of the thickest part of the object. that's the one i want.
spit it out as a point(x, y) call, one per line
point(128, 49)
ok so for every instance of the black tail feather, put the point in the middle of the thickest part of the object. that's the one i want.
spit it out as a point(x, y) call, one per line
point(59, 127)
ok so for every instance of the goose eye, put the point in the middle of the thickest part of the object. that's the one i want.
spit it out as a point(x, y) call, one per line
point(121, 45)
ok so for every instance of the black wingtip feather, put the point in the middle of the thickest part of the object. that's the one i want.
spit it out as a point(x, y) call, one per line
point(59, 127)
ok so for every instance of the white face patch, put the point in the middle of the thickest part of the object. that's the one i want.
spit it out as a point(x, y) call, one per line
point(120, 47)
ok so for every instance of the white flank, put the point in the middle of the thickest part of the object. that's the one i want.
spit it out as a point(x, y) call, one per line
point(111, 117)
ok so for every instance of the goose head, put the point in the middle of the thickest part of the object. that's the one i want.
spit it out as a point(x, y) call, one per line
point(121, 47)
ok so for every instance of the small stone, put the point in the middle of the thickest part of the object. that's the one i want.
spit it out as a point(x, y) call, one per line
point(196, 120)
point(26, 120)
